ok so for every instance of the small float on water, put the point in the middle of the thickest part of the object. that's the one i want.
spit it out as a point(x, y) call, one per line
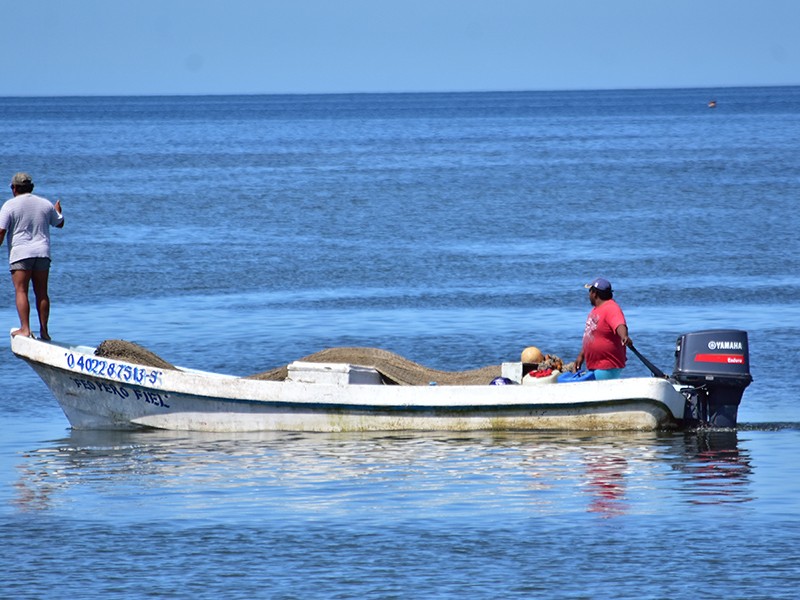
point(99, 388)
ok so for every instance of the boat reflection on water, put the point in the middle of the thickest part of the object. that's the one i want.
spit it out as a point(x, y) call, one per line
point(718, 471)
point(124, 475)
point(710, 469)
point(606, 483)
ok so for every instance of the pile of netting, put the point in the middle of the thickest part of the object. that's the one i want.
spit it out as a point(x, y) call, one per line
point(132, 353)
point(393, 368)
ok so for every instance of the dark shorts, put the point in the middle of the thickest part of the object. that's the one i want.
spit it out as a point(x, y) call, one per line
point(31, 264)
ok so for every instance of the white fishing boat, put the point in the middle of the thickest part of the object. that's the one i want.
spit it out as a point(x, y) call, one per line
point(97, 392)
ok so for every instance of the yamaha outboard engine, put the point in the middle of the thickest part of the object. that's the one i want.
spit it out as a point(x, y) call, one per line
point(716, 364)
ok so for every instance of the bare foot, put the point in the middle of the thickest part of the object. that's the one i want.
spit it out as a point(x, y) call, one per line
point(21, 333)
point(44, 336)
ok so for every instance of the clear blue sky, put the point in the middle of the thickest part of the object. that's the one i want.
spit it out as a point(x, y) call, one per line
point(89, 47)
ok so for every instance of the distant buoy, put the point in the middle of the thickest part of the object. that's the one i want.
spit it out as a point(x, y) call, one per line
point(532, 354)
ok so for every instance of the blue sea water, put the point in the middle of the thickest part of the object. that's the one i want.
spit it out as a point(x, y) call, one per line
point(238, 233)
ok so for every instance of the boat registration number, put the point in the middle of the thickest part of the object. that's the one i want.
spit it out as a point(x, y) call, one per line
point(113, 370)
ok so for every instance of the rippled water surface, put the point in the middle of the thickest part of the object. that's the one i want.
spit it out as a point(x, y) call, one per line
point(563, 515)
point(240, 233)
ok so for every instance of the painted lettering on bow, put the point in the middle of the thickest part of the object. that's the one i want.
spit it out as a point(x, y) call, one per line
point(113, 370)
point(148, 396)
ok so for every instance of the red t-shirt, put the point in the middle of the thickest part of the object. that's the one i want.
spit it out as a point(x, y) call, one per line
point(602, 347)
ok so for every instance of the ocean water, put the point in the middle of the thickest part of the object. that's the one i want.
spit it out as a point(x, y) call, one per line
point(238, 233)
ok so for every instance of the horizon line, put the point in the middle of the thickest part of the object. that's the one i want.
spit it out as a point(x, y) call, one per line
point(389, 93)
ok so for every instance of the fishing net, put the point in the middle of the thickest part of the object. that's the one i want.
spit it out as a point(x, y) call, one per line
point(132, 353)
point(393, 368)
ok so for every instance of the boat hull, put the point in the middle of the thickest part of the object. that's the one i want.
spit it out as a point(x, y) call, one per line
point(107, 394)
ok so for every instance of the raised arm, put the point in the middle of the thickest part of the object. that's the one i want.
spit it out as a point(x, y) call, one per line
point(60, 214)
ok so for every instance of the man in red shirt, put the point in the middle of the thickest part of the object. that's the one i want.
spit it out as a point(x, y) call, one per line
point(606, 334)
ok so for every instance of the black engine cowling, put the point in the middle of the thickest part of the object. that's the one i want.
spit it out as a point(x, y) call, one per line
point(715, 364)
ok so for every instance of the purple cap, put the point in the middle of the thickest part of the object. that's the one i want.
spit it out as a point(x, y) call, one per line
point(599, 284)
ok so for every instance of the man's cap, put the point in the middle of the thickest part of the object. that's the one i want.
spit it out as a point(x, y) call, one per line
point(21, 179)
point(600, 284)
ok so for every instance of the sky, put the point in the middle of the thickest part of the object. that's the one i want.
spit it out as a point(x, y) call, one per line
point(147, 47)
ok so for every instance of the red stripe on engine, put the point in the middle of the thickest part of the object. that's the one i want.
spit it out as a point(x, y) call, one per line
point(729, 359)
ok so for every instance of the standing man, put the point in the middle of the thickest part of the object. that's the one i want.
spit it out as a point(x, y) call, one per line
point(27, 220)
point(606, 334)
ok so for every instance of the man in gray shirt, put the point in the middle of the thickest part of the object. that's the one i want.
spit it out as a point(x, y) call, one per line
point(27, 219)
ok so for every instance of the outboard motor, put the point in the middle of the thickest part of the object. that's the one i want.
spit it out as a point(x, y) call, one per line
point(716, 363)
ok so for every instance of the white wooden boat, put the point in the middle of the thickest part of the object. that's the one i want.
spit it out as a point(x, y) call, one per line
point(100, 393)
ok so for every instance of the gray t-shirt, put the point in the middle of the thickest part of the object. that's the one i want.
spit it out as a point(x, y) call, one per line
point(27, 220)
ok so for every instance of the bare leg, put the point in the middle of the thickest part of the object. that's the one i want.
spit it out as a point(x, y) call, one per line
point(39, 279)
point(21, 279)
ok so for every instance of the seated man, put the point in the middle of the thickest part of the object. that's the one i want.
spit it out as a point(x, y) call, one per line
point(605, 336)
